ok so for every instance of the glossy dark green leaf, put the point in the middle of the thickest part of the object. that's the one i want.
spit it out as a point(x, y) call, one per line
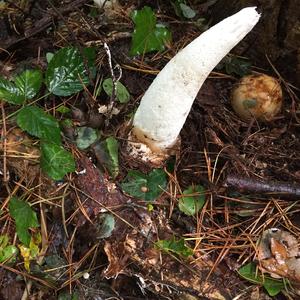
point(56, 162)
point(192, 200)
point(67, 72)
point(9, 92)
point(25, 86)
point(272, 286)
point(40, 124)
point(122, 95)
point(145, 186)
point(148, 35)
point(29, 83)
point(176, 246)
point(24, 217)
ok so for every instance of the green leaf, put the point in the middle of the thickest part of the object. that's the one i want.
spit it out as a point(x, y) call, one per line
point(29, 83)
point(148, 36)
point(7, 252)
point(68, 123)
point(147, 187)
point(25, 86)
point(24, 217)
point(40, 124)
point(86, 136)
point(187, 11)
point(122, 95)
point(105, 225)
point(178, 247)
point(66, 73)
point(237, 66)
point(3, 241)
point(111, 148)
point(56, 162)
point(193, 201)
point(9, 92)
point(49, 56)
point(272, 286)
point(63, 109)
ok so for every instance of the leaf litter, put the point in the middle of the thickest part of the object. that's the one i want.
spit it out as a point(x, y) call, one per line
point(90, 225)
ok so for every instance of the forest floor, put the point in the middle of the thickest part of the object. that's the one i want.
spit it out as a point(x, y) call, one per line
point(98, 233)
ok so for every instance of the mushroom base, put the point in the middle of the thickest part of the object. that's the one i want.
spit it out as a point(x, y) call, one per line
point(143, 149)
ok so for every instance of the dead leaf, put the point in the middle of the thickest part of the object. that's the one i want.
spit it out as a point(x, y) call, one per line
point(277, 254)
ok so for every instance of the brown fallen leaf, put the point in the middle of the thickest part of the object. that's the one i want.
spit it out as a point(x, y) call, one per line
point(278, 253)
point(22, 155)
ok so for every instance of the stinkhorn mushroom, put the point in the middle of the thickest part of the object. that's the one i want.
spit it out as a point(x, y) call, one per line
point(257, 96)
point(165, 106)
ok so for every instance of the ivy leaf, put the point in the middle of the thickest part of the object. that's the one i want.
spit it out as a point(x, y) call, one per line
point(49, 56)
point(24, 217)
point(66, 73)
point(106, 153)
point(9, 92)
point(183, 10)
point(29, 83)
point(176, 246)
point(111, 160)
point(56, 162)
point(7, 252)
point(187, 11)
point(148, 36)
point(235, 66)
point(122, 95)
point(238, 66)
point(105, 225)
point(63, 109)
point(272, 286)
point(86, 136)
point(193, 201)
point(40, 124)
point(31, 252)
point(25, 86)
point(147, 187)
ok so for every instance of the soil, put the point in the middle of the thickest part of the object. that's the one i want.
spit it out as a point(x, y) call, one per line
point(215, 145)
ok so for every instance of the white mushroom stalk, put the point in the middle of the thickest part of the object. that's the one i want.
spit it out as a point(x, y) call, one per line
point(167, 102)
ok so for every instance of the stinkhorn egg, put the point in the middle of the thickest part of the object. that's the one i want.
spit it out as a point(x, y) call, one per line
point(257, 97)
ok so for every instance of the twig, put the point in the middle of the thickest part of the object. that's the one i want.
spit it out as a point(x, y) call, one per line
point(246, 184)
point(114, 80)
point(4, 140)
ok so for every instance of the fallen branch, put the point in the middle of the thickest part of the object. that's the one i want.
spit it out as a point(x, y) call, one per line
point(245, 184)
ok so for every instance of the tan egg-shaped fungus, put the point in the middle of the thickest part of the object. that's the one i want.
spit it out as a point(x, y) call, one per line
point(257, 96)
